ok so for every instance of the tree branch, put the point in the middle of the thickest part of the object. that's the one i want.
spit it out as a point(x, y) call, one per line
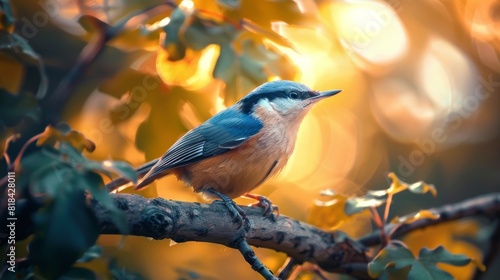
point(486, 205)
point(182, 221)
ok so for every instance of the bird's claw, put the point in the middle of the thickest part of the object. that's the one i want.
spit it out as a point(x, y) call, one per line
point(266, 204)
point(239, 216)
point(236, 211)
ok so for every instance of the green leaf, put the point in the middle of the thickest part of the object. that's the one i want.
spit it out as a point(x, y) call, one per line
point(229, 4)
point(388, 257)
point(43, 170)
point(422, 188)
point(6, 15)
point(423, 268)
point(14, 108)
point(197, 33)
point(94, 184)
point(120, 273)
point(253, 69)
point(267, 33)
point(19, 48)
point(379, 197)
point(78, 273)
point(226, 62)
point(255, 64)
point(440, 254)
point(358, 204)
point(64, 230)
point(121, 168)
point(49, 178)
point(176, 49)
point(93, 252)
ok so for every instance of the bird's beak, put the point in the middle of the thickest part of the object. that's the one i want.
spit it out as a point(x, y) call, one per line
point(325, 94)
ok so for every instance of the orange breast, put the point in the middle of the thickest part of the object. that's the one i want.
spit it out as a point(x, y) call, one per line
point(238, 171)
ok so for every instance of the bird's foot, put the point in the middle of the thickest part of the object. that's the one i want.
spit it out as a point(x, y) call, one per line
point(265, 203)
point(238, 214)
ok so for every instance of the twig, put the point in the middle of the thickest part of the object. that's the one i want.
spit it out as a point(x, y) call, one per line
point(10, 139)
point(307, 267)
point(287, 268)
point(379, 223)
point(252, 259)
point(488, 204)
point(17, 161)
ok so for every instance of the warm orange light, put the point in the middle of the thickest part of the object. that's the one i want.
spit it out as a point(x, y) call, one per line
point(194, 72)
point(371, 32)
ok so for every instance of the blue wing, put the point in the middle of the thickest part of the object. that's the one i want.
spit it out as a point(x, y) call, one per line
point(221, 133)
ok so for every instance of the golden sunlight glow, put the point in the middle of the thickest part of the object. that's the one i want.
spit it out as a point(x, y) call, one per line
point(406, 70)
point(478, 16)
point(306, 69)
point(445, 76)
point(396, 103)
point(326, 149)
point(188, 116)
point(159, 24)
point(370, 32)
point(312, 50)
point(219, 105)
point(194, 72)
point(187, 5)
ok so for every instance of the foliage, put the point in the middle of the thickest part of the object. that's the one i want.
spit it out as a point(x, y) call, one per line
point(424, 267)
point(63, 180)
point(44, 86)
point(394, 260)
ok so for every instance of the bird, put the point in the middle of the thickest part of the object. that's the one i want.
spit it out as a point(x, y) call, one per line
point(236, 150)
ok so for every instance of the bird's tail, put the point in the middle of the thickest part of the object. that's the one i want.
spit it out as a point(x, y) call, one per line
point(152, 174)
point(121, 183)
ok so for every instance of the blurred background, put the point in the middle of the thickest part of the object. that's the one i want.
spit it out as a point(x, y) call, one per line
point(420, 97)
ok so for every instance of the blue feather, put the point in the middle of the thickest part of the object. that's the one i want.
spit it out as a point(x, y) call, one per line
point(224, 131)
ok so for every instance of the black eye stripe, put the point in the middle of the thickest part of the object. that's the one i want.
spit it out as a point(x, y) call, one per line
point(294, 94)
point(248, 102)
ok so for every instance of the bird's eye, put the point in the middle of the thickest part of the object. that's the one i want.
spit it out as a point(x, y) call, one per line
point(294, 95)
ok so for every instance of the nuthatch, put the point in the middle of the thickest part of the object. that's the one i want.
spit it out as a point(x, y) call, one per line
point(239, 148)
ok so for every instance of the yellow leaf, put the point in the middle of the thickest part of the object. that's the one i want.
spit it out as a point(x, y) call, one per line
point(328, 214)
point(193, 72)
point(424, 214)
point(331, 215)
point(52, 135)
point(422, 187)
point(397, 185)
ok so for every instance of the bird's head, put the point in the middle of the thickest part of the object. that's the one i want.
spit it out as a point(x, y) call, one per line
point(284, 97)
